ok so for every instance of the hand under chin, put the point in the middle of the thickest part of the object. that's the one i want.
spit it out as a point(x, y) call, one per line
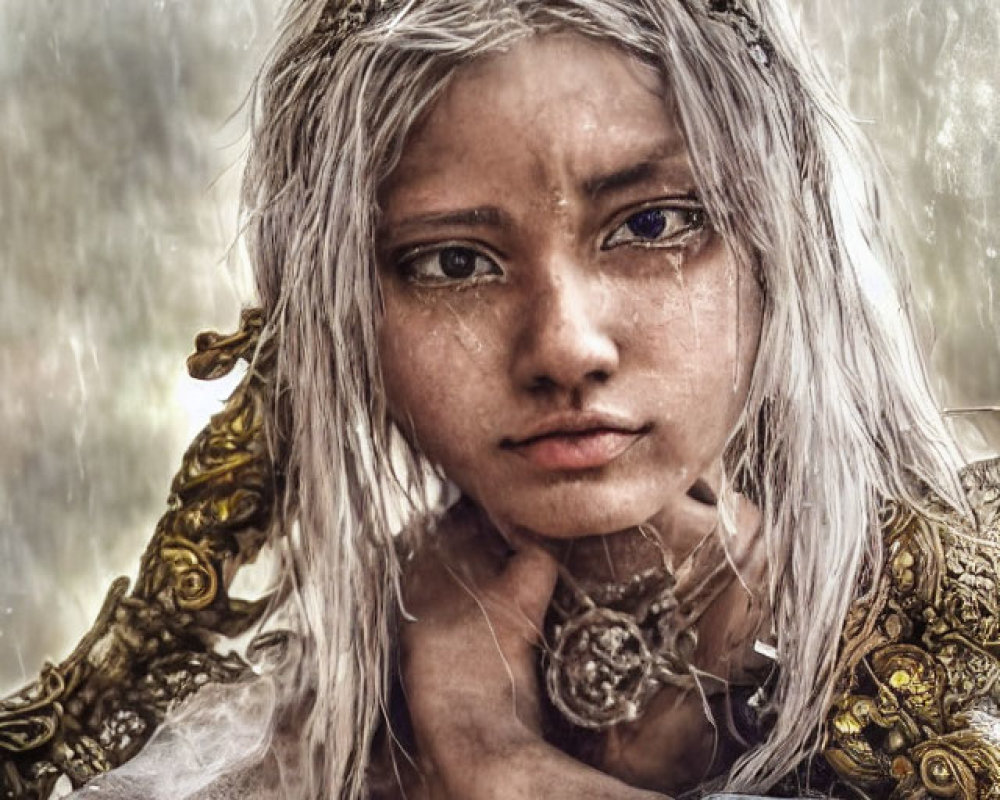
point(673, 748)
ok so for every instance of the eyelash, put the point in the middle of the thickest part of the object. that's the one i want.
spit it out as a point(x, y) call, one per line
point(687, 212)
point(688, 215)
point(410, 263)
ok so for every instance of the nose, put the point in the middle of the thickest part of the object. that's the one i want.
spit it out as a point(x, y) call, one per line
point(563, 342)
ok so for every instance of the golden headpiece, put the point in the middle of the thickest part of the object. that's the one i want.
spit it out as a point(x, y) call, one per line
point(340, 19)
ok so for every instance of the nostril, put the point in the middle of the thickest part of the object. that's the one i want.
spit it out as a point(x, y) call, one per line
point(542, 384)
point(546, 383)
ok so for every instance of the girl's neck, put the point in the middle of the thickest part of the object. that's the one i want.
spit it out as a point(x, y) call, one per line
point(666, 541)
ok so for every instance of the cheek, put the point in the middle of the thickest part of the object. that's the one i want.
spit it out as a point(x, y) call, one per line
point(436, 378)
point(702, 345)
point(411, 358)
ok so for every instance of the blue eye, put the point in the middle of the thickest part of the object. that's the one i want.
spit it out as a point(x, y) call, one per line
point(648, 224)
point(452, 264)
point(664, 226)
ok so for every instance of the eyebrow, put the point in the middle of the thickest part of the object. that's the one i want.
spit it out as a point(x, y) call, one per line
point(652, 164)
point(647, 167)
point(482, 216)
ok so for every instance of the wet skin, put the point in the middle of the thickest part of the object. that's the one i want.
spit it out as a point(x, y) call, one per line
point(564, 333)
point(570, 341)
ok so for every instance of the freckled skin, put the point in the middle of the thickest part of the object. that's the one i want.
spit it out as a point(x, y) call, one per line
point(664, 338)
point(541, 181)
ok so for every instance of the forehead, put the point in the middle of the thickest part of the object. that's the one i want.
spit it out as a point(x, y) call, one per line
point(559, 106)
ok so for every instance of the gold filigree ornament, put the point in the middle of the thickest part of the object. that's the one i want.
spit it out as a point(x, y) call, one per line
point(150, 649)
point(918, 715)
point(194, 581)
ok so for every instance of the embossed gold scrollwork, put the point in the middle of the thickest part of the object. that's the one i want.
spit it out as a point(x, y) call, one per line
point(919, 710)
point(27, 732)
point(150, 649)
point(231, 510)
point(849, 749)
point(31, 718)
point(36, 695)
point(195, 582)
point(914, 678)
point(964, 765)
point(945, 773)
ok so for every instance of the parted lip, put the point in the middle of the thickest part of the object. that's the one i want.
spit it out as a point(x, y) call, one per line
point(576, 423)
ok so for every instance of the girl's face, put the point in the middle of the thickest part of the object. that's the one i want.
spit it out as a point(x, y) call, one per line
point(564, 333)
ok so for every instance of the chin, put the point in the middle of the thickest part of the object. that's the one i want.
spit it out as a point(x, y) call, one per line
point(576, 509)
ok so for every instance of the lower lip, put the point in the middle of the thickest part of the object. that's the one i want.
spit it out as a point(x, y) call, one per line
point(577, 451)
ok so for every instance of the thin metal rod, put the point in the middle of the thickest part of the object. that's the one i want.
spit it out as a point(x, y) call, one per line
point(955, 412)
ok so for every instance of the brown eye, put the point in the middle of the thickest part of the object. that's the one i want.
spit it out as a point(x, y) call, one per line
point(457, 262)
point(452, 264)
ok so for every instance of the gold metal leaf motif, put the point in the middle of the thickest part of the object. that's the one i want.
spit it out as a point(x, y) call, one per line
point(151, 648)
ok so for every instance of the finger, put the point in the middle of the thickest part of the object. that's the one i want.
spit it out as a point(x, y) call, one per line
point(527, 582)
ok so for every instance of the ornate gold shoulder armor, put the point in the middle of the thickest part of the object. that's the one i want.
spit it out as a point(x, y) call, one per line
point(153, 647)
point(919, 711)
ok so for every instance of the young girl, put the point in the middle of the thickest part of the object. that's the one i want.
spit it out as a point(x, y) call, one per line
point(603, 265)
point(620, 275)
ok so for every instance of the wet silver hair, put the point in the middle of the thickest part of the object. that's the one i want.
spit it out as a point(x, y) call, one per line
point(839, 415)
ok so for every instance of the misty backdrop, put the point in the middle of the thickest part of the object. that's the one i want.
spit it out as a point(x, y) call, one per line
point(121, 137)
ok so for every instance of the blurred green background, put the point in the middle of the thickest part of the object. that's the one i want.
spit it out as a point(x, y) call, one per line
point(121, 137)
